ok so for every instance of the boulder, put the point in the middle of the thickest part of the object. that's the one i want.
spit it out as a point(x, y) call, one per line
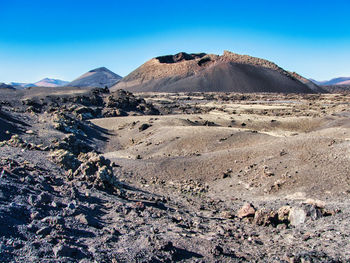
point(144, 126)
point(96, 169)
point(264, 217)
point(283, 214)
point(65, 159)
point(297, 216)
point(65, 251)
point(247, 210)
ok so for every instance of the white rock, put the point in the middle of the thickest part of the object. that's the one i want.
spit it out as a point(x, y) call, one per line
point(297, 216)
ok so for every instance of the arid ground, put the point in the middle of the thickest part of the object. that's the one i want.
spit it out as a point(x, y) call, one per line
point(94, 176)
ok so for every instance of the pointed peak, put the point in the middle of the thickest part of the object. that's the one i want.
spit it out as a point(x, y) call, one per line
point(98, 77)
point(100, 69)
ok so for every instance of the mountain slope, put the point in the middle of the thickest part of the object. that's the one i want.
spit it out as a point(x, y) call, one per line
point(309, 83)
point(211, 73)
point(21, 85)
point(99, 77)
point(47, 82)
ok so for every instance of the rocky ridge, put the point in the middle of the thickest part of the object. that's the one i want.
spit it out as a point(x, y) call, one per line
point(309, 83)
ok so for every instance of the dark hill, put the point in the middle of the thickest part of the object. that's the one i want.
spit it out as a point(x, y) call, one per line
point(99, 77)
point(7, 87)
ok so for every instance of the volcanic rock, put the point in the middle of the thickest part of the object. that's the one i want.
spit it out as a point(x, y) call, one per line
point(247, 210)
point(65, 159)
point(65, 251)
point(44, 231)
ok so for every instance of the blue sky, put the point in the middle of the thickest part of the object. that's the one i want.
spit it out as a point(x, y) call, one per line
point(64, 39)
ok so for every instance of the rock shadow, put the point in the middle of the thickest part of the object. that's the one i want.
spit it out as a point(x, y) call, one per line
point(10, 124)
point(183, 254)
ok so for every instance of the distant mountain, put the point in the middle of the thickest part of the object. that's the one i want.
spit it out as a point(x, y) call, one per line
point(47, 82)
point(99, 77)
point(202, 72)
point(20, 85)
point(6, 86)
point(335, 81)
point(346, 82)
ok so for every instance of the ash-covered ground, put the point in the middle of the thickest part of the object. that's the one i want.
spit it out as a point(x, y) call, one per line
point(93, 176)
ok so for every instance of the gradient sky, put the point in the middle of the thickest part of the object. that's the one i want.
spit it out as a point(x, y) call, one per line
point(64, 39)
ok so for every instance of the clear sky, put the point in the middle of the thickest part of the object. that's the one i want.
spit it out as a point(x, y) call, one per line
point(64, 39)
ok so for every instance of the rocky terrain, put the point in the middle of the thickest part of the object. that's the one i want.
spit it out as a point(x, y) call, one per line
point(211, 73)
point(99, 77)
point(337, 88)
point(93, 175)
